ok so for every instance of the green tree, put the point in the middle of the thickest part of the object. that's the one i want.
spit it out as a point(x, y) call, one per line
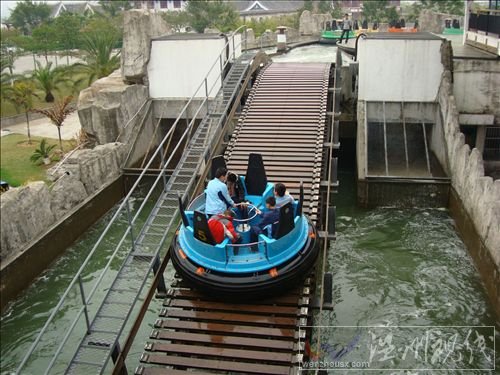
point(48, 79)
point(99, 57)
point(391, 14)
point(375, 10)
point(444, 6)
point(67, 30)
point(57, 114)
point(337, 10)
point(112, 8)
point(27, 15)
point(7, 57)
point(44, 40)
point(325, 6)
point(308, 5)
point(21, 95)
point(177, 20)
point(98, 24)
point(215, 13)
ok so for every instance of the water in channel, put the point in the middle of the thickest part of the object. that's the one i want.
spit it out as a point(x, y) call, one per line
point(391, 267)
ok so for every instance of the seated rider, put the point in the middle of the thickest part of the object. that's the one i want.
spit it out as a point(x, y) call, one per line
point(235, 187)
point(282, 196)
point(237, 193)
point(221, 226)
point(217, 195)
point(269, 217)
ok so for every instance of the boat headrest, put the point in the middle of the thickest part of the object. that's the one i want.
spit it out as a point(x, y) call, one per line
point(217, 162)
point(185, 220)
point(255, 179)
point(201, 230)
point(286, 222)
point(301, 200)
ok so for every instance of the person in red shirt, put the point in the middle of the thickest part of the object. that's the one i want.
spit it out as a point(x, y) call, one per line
point(221, 226)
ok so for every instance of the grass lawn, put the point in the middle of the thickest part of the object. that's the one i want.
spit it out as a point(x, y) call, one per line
point(15, 165)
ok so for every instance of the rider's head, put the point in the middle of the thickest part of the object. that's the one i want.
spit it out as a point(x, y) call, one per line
point(280, 189)
point(220, 172)
point(231, 177)
point(270, 202)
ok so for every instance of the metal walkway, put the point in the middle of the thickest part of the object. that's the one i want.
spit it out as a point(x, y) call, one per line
point(94, 350)
point(106, 309)
point(284, 119)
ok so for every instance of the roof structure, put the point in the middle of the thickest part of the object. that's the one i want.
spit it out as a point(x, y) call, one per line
point(251, 7)
point(76, 8)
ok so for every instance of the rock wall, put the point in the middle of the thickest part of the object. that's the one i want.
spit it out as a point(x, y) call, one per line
point(28, 211)
point(139, 26)
point(433, 22)
point(107, 107)
point(479, 194)
point(312, 24)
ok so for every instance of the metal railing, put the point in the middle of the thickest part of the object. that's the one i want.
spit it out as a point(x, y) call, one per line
point(487, 21)
point(124, 209)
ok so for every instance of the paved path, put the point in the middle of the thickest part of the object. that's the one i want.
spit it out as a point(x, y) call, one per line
point(44, 128)
point(25, 64)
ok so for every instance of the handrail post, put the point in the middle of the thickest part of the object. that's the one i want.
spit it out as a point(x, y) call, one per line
point(246, 37)
point(221, 71)
point(206, 94)
point(163, 168)
point(234, 52)
point(84, 304)
point(130, 225)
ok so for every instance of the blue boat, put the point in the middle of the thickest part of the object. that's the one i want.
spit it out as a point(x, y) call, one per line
point(246, 270)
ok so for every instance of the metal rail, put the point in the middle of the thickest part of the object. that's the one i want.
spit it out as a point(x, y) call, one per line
point(219, 105)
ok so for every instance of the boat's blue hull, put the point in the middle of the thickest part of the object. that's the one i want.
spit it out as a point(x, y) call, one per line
point(256, 285)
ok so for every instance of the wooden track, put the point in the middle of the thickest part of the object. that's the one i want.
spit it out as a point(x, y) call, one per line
point(284, 120)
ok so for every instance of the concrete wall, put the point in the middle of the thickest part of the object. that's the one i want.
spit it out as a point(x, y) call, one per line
point(413, 112)
point(399, 70)
point(476, 86)
point(479, 194)
point(177, 67)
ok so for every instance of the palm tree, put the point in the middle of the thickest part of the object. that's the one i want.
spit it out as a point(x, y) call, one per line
point(48, 79)
point(98, 56)
point(57, 114)
point(21, 94)
point(42, 153)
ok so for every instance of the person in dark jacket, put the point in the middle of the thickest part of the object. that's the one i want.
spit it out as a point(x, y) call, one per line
point(235, 187)
point(268, 218)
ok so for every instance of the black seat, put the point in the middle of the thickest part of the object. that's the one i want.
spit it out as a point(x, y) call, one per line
point(301, 200)
point(217, 162)
point(286, 223)
point(255, 179)
point(201, 230)
point(185, 220)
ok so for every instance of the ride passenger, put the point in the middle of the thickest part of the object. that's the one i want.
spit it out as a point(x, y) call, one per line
point(235, 187)
point(269, 218)
point(221, 226)
point(282, 196)
point(217, 195)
